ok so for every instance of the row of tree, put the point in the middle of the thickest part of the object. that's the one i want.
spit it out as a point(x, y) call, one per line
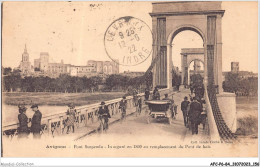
point(13, 81)
point(241, 86)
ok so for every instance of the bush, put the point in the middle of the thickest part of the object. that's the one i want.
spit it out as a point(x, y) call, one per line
point(247, 126)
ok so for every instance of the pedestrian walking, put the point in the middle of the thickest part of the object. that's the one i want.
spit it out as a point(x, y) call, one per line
point(71, 118)
point(184, 109)
point(147, 94)
point(199, 91)
point(191, 88)
point(173, 107)
point(36, 122)
point(23, 130)
point(103, 115)
point(194, 115)
point(135, 100)
point(139, 106)
point(122, 107)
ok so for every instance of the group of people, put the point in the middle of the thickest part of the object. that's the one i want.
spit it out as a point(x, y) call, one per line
point(197, 89)
point(193, 113)
point(35, 129)
point(103, 116)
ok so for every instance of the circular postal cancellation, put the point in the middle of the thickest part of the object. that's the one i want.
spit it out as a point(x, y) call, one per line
point(128, 41)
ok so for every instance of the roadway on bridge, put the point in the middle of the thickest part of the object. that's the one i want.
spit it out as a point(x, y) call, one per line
point(136, 126)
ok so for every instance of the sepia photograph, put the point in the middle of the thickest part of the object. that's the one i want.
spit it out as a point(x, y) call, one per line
point(129, 79)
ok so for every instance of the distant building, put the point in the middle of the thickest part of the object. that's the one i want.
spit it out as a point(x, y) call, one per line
point(55, 69)
point(82, 71)
point(43, 67)
point(132, 74)
point(44, 61)
point(235, 67)
point(25, 65)
point(104, 67)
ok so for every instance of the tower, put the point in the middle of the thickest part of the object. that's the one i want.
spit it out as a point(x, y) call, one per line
point(234, 67)
point(25, 65)
point(25, 55)
point(44, 61)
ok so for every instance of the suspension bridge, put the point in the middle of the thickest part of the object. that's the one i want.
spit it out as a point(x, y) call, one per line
point(203, 18)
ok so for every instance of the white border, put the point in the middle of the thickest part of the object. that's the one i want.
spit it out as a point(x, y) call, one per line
point(123, 161)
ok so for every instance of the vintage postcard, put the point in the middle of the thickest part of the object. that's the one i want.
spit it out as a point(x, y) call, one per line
point(129, 79)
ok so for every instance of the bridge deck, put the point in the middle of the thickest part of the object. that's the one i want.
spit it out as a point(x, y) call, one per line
point(137, 125)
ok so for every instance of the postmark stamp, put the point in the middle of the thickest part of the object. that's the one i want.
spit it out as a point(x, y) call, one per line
point(128, 41)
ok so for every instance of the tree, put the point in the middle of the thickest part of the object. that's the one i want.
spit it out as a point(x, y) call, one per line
point(118, 82)
point(7, 71)
point(79, 85)
point(63, 83)
point(13, 81)
point(176, 78)
point(231, 83)
point(7, 83)
point(94, 82)
point(27, 85)
point(76, 84)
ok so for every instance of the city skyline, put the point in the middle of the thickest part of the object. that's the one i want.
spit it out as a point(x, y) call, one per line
point(70, 32)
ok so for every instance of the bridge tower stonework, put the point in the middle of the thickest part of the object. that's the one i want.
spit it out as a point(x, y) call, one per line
point(187, 56)
point(170, 18)
point(204, 18)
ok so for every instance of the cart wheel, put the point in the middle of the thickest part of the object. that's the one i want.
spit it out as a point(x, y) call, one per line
point(148, 120)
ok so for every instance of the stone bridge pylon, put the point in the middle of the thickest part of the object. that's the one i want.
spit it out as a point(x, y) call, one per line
point(205, 19)
point(171, 18)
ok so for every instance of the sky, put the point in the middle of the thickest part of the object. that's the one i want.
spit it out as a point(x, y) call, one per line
point(74, 32)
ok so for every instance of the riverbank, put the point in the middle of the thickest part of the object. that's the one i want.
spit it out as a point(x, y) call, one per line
point(58, 99)
point(247, 117)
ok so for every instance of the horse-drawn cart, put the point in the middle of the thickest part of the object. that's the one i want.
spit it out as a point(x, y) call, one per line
point(160, 109)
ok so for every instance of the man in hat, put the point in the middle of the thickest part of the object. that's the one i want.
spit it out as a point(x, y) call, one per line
point(71, 112)
point(23, 130)
point(36, 122)
point(122, 106)
point(184, 109)
point(103, 115)
point(194, 115)
point(147, 93)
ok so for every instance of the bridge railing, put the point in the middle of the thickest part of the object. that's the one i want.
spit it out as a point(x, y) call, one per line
point(53, 124)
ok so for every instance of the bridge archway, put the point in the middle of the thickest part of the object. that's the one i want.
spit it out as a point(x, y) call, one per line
point(195, 67)
point(187, 56)
point(171, 18)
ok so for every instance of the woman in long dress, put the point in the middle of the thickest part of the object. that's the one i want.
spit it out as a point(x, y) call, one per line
point(23, 130)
